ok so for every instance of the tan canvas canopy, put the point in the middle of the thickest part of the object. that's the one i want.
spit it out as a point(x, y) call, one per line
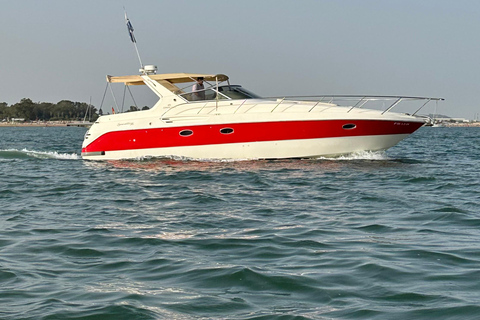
point(168, 77)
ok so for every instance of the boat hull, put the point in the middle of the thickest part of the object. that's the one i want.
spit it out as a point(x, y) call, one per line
point(256, 140)
point(306, 148)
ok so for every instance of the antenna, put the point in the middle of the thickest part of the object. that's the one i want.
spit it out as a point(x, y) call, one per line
point(132, 36)
point(88, 110)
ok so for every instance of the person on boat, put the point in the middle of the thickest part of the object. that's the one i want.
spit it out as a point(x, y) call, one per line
point(198, 90)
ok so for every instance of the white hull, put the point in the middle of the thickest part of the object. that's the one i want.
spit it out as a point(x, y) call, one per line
point(311, 148)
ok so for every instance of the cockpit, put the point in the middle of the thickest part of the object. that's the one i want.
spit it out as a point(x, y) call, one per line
point(191, 87)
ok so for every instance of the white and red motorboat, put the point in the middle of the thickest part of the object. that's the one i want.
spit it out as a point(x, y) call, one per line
point(230, 122)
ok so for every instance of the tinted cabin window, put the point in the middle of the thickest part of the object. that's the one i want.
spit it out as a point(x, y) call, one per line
point(226, 130)
point(186, 133)
point(349, 126)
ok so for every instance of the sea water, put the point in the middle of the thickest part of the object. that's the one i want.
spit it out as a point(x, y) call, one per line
point(387, 235)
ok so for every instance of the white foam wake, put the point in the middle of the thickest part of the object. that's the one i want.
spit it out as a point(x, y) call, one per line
point(361, 155)
point(15, 153)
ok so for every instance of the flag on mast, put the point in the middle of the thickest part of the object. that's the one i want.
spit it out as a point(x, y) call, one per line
point(132, 37)
point(130, 29)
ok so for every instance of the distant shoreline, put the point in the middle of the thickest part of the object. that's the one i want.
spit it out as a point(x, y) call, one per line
point(40, 124)
point(463, 125)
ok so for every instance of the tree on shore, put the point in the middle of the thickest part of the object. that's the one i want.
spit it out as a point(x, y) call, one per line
point(44, 111)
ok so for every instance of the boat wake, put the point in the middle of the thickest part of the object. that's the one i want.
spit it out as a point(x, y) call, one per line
point(362, 155)
point(9, 154)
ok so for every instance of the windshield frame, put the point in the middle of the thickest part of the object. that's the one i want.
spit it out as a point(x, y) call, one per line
point(219, 92)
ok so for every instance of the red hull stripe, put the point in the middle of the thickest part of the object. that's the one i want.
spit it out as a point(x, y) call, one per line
point(244, 133)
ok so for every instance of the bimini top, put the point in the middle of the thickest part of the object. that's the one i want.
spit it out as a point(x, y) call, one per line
point(168, 77)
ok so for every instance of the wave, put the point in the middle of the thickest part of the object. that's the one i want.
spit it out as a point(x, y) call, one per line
point(362, 155)
point(32, 154)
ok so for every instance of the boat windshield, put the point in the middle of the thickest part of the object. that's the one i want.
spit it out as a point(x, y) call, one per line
point(235, 92)
point(226, 92)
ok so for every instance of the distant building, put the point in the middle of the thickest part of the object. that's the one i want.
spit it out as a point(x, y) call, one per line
point(453, 120)
point(17, 120)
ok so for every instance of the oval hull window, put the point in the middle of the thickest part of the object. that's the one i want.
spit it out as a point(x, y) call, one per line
point(186, 133)
point(349, 126)
point(226, 130)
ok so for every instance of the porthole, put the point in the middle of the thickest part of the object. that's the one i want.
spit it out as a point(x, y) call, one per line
point(186, 133)
point(226, 130)
point(349, 126)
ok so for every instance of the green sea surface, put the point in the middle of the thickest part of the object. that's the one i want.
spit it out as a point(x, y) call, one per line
point(388, 235)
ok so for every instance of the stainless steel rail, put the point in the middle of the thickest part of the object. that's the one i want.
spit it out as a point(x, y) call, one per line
point(349, 101)
point(358, 101)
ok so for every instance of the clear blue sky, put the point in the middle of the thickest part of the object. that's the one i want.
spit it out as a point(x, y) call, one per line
point(57, 49)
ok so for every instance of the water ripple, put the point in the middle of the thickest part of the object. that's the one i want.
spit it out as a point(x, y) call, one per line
point(375, 236)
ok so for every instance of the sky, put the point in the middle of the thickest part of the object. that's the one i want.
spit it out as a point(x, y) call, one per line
point(54, 50)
